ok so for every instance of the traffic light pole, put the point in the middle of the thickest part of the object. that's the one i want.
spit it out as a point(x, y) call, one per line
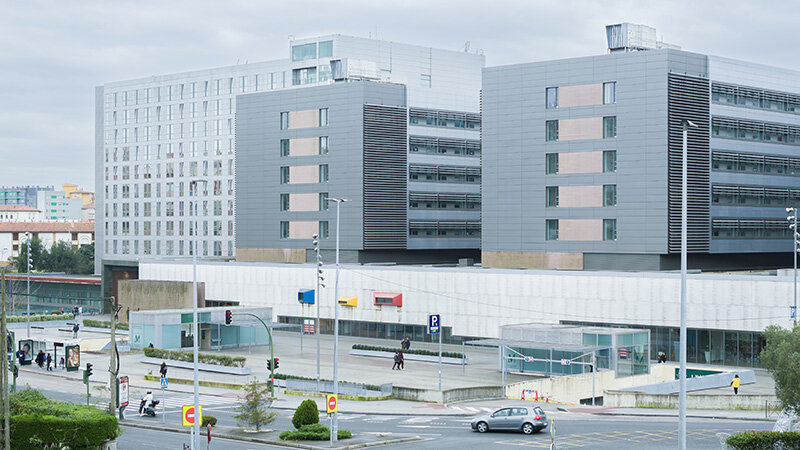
point(271, 352)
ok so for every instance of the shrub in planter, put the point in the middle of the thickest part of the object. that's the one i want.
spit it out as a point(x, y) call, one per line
point(217, 360)
point(306, 414)
point(408, 352)
point(314, 432)
point(209, 420)
point(757, 440)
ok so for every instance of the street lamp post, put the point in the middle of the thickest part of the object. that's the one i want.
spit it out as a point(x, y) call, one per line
point(795, 235)
point(317, 297)
point(684, 218)
point(335, 427)
point(28, 299)
point(195, 330)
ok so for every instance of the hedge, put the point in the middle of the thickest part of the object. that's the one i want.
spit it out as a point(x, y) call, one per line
point(103, 324)
point(315, 432)
point(283, 376)
point(409, 351)
point(40, 317)
point(757, 440)
point(217, 360)
point(37, 422)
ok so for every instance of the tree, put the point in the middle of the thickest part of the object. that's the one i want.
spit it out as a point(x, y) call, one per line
point(780, 358)
point(252, 408)
point(306, 414)
point(63, 257)
point(37, 256)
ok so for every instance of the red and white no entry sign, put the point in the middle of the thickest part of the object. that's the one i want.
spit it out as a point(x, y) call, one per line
point(188, 415)
point(332, 403)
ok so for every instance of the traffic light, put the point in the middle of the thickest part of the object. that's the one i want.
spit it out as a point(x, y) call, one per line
point(228, 317)
point(276, 363)
point(88, 370)
point(269, 364)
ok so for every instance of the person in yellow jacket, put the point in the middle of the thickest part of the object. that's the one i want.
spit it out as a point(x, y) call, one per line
point(735, 383)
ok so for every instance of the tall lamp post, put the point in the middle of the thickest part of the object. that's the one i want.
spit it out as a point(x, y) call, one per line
point(317, 297)
point(30, 267)
point(335, 427)
point(795, 235)
point(684, 215)
point(195, 330)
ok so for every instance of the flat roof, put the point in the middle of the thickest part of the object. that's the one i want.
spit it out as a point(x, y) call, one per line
point(578, 328)
point(535, 344)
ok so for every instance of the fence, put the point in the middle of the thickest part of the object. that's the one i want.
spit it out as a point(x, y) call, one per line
point(344, 388)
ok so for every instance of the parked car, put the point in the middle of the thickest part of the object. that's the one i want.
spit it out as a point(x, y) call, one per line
point(528, 419)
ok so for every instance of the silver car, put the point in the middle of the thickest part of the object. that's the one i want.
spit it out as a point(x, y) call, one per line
point(528, 419)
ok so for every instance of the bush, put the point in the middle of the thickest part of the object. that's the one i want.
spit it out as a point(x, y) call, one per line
point(217, 360)
point(40, 317)
point(409, 351)
point(314, 432)
point(37, 422)
point(283, 376)
point(104, 324)
point(209, 420)
point(757, 440)
point(306, 414)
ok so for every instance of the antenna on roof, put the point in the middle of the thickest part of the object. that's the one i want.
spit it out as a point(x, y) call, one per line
point(466, 46)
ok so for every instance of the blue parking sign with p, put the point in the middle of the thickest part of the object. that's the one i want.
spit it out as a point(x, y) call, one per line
point(434, 323)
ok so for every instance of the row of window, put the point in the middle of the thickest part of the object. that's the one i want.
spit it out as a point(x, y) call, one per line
point(423, 228)
point(304, 52)
point(755, 98)
point(323, 204)
point(188, 130)
point(323, 146)
point(169, 190)
point(609, 129)
point(747, 130)
point(609, 229)
point(609, 95)
point(445, 174)
point(147, 171)
point(434, 118)
point(323, 174)
point(754, 196)
point(124, 247)
point(447, 147)
point(418, 200)
point(154, 209)
point(322, 122)
point(214, 228)
point(168, 151)
point(609, 195)
point(750, 229)
point(609, 162)
point(755, 163)
point(323, 229)
point(176, 111)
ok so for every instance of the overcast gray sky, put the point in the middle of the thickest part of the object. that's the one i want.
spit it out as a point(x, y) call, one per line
point(53, 53)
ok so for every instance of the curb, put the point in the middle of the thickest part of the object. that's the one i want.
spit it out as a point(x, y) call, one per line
point(674, 416)
point(278, 443)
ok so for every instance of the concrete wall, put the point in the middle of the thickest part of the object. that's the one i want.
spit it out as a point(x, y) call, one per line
point(136, 295)
point(626, 399)
point(448, 396)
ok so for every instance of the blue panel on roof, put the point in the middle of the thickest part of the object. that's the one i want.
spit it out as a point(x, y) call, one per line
point(305, 296)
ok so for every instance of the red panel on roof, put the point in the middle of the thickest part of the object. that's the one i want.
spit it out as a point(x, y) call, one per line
point(387, 298)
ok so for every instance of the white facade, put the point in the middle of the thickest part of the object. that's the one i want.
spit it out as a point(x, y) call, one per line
point(476, 302)
point(55, 205)
point(12, 235)
point(154, 135)
point(19, 213)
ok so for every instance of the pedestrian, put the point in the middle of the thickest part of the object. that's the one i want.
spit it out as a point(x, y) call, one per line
point(75, 329)
point(736, 383)
point(408, 343)
point(80, 310)
point(75, 311)
point(163, 369)
point(402, 361)
point(49, 360)
point(396, 361)
point(403, 343)
point(40, 359)
point(61, 362)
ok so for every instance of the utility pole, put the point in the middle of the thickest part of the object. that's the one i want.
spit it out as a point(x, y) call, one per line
point(317, 296)
point(30, 266)
point(4, 332)
point(113, 363)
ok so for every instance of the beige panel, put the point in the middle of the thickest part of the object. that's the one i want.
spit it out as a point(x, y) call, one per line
point(532, 260)
point(303, 119)
point(576, 129)
point(303, 174)
point(135, 295)
point(284, 255)
point(580, 196)
point(580, 230)
point(304, 146)
point(580, 95)
point(304, 202)
point(580, 162)
point(303, 229)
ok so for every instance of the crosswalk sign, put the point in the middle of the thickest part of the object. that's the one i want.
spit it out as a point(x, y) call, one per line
point(164, 382)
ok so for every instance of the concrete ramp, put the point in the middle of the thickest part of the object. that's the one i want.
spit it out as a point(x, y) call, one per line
point(699, 383)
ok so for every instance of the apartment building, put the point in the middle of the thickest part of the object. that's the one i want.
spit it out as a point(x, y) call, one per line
point(21, 195)
point(582, 161)
point(19, 213)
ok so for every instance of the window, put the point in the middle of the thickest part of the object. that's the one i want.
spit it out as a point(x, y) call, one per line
point(323, 145)
point(284, 147)
point(306, 75)
point(551, 226)
point(323, 204)
point(610, 195)
point(284, 202)
point(284, 121)
point(502, 413)
point(304, 52)
point(284, 230)
point(551, 162)
point(552, 97)
point(609, 229)
point(326, 49)
point(610, 93)
point(323, 229)
point(323, 173)
point(551, 130)
point(323, 117)
point(552, 196)
point(284, 175)
point(609, 161)
point(425, 80)
point(609, 127)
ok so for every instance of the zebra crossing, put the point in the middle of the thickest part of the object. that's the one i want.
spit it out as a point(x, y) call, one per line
point(176, 401)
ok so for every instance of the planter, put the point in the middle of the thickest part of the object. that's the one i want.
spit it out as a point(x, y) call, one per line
point(409, 357)
point(201, 366)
